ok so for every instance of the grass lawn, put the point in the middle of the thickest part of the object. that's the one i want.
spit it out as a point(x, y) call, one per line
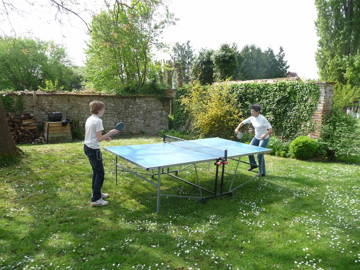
point(303, 215)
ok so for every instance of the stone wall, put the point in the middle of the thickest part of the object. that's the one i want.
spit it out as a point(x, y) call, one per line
point(324, 107)
point(140, 114)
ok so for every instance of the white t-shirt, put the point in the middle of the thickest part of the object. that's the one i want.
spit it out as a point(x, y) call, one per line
point(260, 124)
point(93, 124)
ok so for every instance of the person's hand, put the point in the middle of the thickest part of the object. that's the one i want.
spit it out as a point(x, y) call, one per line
point(108, 139)
point(263, 136)
point(113, 132)
point(236, 131)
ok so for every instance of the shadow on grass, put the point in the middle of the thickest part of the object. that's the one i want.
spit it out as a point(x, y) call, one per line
point(61, 228)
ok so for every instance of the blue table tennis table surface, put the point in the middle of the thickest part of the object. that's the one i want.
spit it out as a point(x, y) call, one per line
point(162, 155)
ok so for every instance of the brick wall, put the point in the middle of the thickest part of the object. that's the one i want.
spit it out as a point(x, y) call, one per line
point(324, 107)
point(141, 114)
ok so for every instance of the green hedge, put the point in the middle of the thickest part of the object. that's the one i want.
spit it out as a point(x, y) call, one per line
point(288, 106)
point(304, 148)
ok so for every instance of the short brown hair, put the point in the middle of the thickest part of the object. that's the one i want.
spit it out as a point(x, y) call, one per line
point(96, 106)
point(255, 107)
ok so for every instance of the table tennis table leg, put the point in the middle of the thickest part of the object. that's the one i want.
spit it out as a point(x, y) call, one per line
point(222, 178)
point(158, 192)
point(235, 173)
point(197, 179)
point(216, 179)
point(116, 166)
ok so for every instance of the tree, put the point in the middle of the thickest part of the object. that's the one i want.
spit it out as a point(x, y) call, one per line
point(256, 64)
point(8, 150)
point(338, 27)
point(253, 63)
point(226, 63)
point(182, 57)
point(276, 65)
point(30, 64)
point(203, 68)
point(281, 69)
point(119, 53)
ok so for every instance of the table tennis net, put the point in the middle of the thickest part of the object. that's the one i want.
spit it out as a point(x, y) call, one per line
point(211, 151)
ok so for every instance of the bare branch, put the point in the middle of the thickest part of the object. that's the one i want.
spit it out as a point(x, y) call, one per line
point(61, 6)
point(120, 3)
point(6, 5)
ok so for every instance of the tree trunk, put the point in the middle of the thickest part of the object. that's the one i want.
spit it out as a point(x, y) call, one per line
point(8, 150)
point(179, 71)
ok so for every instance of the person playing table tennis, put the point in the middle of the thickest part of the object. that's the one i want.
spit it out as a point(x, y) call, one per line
point(263, 129)
point(93, 137)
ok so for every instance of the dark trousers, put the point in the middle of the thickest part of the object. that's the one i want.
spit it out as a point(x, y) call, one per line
point(96, 162)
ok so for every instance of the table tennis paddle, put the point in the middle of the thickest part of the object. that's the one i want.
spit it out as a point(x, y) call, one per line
point(119, 126)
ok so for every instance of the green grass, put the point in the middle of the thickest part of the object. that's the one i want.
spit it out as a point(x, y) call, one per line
point(303, 215)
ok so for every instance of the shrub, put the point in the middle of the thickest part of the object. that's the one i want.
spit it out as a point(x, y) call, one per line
point(179, 119)
point(213, 110)
point(279, 148)
point(77, 131)
point(12, 104)
point(303, 148)
point(8, 103)
point(247, 137)
point(340, 135)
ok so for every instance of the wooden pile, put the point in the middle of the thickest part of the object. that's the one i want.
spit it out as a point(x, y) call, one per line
point(23, 128)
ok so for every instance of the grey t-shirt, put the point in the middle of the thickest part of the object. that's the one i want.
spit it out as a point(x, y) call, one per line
point(93, 124)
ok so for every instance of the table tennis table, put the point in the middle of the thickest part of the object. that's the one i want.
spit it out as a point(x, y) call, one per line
point(174, 155)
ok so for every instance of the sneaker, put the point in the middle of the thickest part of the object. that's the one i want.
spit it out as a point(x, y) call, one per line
point(252, 167)
point(99, 202)
point(260, 175)
point(105, 195)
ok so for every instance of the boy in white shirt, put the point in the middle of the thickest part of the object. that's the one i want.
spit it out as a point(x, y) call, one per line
point(93, 135)
point(263, 129)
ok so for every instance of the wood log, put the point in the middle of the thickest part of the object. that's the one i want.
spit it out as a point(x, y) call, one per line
point(23, 128)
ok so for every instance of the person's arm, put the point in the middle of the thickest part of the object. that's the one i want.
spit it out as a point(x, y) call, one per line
point(106, 136)
point(269, 130)
point(246, 121)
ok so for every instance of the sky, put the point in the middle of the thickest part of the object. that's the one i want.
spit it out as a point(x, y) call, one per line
point(206, 23)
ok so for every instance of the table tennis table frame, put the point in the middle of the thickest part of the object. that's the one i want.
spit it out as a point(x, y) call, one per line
point(154, 178)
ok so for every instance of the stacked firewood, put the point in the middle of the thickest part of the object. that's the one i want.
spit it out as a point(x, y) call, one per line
point(24, 128)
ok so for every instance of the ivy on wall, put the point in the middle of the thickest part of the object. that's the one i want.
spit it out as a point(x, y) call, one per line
point(288, 106)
